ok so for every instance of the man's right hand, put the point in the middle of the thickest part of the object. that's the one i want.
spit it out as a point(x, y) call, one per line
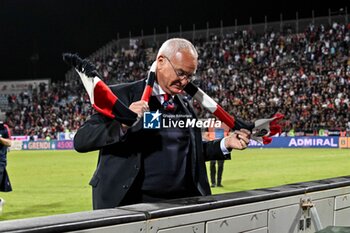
point(139, 107)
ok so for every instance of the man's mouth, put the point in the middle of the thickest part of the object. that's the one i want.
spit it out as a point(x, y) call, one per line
point(178, 88)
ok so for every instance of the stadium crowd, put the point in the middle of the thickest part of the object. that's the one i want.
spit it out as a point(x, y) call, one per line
point(305, 76)
point(43, 112)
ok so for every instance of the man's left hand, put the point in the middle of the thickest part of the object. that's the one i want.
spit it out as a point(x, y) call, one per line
point(238, 140)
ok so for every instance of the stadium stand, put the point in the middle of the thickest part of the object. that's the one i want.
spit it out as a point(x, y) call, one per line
point(304, 75)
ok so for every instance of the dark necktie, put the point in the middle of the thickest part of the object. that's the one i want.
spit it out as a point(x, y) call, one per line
point(168, 103)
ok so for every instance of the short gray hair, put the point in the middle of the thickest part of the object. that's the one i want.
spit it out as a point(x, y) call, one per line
point(170, 47)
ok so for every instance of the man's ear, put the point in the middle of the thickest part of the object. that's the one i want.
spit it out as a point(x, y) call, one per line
point(160, 61)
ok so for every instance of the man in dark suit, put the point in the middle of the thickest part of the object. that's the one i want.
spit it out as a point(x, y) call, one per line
point(216, 177)
point(150, 165)
point(5, 143)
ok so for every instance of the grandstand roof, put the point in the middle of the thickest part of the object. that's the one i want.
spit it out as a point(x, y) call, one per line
point(34, 33)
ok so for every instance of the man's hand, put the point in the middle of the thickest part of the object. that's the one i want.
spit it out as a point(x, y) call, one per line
point(5, 141)
point(138, 107)
point(238, 140)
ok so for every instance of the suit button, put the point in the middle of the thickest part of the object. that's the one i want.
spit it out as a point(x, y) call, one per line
point(125, 186)
point(136, 167)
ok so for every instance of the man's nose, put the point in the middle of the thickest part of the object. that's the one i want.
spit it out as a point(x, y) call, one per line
point(184, 81)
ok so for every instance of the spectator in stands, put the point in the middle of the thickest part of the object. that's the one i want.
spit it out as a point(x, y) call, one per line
point(5, 143)
point(303, 75)
point(141, 165)
point(31, 136)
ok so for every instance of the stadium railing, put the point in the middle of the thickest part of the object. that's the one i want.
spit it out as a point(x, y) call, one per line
point(300, 207)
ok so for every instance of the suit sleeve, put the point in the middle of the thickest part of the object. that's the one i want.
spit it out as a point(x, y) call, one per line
point(97, 132)
point(212, 151)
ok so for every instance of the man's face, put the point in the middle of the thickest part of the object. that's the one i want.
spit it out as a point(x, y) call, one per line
point(173, 73)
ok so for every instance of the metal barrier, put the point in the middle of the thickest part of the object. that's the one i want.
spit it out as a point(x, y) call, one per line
point(294, 208)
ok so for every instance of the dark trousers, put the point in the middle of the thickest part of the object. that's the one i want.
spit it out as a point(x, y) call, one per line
point(5, 185)
point(213, 171)
point(2, 173)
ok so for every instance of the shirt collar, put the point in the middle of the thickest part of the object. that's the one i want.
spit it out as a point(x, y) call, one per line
point(157, 90)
